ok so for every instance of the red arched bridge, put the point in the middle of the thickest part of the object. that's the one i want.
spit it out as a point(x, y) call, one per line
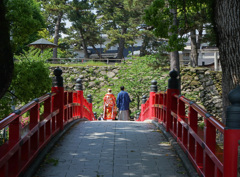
point(212, 149)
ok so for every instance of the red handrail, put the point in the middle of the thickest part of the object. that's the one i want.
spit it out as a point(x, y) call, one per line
point(180, 116)
point(19, 149)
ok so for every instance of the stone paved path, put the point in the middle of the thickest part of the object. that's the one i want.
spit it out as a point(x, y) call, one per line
point(112, 149)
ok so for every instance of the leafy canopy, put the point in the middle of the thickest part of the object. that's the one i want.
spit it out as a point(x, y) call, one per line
point(173, 19)
point(84, 27)
point(121, 19)
point(25, 20)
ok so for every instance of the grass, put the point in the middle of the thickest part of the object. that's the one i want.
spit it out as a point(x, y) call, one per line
point(49, 160)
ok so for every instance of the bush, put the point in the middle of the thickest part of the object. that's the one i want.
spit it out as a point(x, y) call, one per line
point(30, 80)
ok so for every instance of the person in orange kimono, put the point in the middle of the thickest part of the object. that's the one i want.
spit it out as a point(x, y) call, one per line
point(109, 106)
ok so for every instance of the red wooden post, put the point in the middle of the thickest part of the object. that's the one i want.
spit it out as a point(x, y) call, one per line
point(153, 90)
point(34, 120)
point(232, 135)
point(192, 122)
point(70, 100)
point(193, 118)
point(66, 110)
point(58, 99)
point(172, 89)
point(181, 114)
point(14, 129)
point(75, 108)
point(210, 135)
point(89, 99)
point(34, 115)
point(156, 107)
point(142, 115)
point(14, 137)
point(79, 90)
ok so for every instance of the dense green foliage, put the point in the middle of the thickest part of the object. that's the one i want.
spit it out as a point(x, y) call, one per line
point(84, 31)
point(174, 25)
point(121, 21)
point(25, 21)
point(30, 80)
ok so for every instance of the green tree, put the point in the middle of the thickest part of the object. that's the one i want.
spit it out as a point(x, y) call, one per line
point(25, 21)
point(174, 20)
point(30, 80)
point(162, 16)
point(55, 13)
point(120, 20)
point(84, 30)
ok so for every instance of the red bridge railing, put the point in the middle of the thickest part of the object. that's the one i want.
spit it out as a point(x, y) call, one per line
point(213, 148)
point(47, 116)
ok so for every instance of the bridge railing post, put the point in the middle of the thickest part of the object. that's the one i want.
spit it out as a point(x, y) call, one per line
point(232, 135)
point(14, 129)
point(89, 99)
point(172, 89)
point(34, 121)
point(143, 115)
point(58, 99)
point(153, 90)
point(79, 90)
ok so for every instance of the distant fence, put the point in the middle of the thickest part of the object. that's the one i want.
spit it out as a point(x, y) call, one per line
point(82, 60)
point(213, 147)
point(206, 57)
point(46, 116)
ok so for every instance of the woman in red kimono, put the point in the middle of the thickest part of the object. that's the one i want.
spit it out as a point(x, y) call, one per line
point(109, 106)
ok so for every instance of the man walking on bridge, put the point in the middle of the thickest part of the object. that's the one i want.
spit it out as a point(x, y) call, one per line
point(123, 101)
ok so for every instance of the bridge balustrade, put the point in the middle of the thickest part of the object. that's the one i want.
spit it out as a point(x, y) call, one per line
point(213, 148)
point(24, 142)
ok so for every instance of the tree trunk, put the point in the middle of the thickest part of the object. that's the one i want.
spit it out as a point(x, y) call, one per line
point(174, 60)
point(174, 55)
point(200, 35)
point(194, 53)
point(96, 50)
point(138, 102)
point(145, 42)
point(6, 57)
point(121, 44)
point(56, 33)
point(86, 55)
point(227, 19)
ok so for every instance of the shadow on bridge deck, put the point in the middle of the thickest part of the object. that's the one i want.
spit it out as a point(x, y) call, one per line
point(112, 149)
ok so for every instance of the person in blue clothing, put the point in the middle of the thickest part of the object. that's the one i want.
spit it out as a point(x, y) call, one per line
point(123, 101)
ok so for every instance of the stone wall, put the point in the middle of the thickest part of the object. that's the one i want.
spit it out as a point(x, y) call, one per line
point(204, 87)
point(198, 84)
point(94, 79)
